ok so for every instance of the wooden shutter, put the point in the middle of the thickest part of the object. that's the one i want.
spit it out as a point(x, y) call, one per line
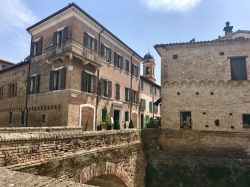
point(95, 44)
point(85, 39)
point(51, 81)
point(62, 81)
point(115, 58)
point(110, 53)
point(101, 83)
point(1, 92)
point(37, 84)
point(109, 89)
point(32, 49)
point(55, 38)
point(117, 92)
point(65, 33)
point(40, 45)
point(28, 85)
point(94, 91)
point(83, 81)
point(102, 49)
point(15, 89)
point(132, 69)
point(121, 65)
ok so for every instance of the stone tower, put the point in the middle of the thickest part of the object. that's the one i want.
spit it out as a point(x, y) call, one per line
point(149, 67)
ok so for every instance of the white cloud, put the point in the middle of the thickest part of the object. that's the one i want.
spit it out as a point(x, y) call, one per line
point(171, 5)
point(15, 18)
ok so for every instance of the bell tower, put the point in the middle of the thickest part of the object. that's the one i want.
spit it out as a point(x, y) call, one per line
point(149, 67)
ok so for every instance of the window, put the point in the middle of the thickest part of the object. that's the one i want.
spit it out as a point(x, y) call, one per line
point(90, 41)
point(104, 113)
point(1, 91)
point(36, 47)
point(155, 108)
point(4, 66)
point(57, 79)
point(136, 71)
point(246, 120)
point(88, 82)
point(106, 53)
point(151, 89)
point(117, 91)
point(44, 119)
point(155, 91)
point(127, 94)
point(135, 96)
point(22, 118)
point(147, 119)
point(143, 104)
point(126, 116)
point(238, 68)
point(127, 65)
point(60, 36)
point(175, 57)
point(118, 60)
point(147, 70)
point(106, 88)
point(34, 84)
point(10, 118)
point(142, 85)
point(12, 88)
point(150, 107)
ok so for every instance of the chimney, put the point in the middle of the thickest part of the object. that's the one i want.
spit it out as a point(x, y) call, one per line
point(228, 31)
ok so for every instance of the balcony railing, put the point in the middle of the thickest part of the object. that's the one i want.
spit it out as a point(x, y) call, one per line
point(72, 46)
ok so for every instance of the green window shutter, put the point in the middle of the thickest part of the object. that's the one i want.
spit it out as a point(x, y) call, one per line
point(65, 33)
point(85, 39)
point(150, 106)
point(62, 81)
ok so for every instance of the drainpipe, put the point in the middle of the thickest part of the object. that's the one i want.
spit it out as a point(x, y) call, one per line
point(27, 87)
point(98, 75)
point(131, 86)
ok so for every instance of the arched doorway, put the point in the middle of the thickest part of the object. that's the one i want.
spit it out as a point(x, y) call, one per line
point(106, 181)
point(87, 119)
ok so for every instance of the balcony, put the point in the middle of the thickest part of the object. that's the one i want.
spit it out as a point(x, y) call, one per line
point(75, 48)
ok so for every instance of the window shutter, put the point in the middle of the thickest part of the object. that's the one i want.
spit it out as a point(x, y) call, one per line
point(40, 46)
point(37, 84)
point(109, 89)
point(28, 85)
point(55, 38)
point(144, 104)
point(94, 84)
point(95, 44)
point(51, 81)
point(118, 92)
point(121, 65)
point(15, 89)
point(83, 81)
point(85, 40)
point(32, 49)
point(115, 58)
point(132, 68)
point(101, 83)
point(62, 81)
point(110, 55)
point(102, 49)
point(65, 33)
point(9, 90)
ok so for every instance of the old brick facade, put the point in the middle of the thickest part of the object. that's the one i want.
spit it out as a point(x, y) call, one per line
point(205, 84)
point(76, 68)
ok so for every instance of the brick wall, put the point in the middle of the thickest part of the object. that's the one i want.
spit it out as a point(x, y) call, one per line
point(199, 81)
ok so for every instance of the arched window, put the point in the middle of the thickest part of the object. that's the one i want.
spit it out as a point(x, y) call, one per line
point(147, 70)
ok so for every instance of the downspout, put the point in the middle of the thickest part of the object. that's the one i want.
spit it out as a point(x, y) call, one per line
point(27, 86)
point(98, 75)
point(131, 86)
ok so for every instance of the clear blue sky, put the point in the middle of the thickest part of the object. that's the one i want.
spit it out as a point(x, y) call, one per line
point(139, 23)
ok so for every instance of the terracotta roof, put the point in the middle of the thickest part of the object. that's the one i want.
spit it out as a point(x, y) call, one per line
point(149, 81)
point(200, 42)
point(14, 66)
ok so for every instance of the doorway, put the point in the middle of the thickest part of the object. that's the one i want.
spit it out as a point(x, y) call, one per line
point(117, 116)
point(186, 120)
point(142, 121)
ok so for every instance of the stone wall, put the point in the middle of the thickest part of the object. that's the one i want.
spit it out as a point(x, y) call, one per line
point(196, 158)
point(199, 81)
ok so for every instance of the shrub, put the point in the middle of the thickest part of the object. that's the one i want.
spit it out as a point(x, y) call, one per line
point(117, 125)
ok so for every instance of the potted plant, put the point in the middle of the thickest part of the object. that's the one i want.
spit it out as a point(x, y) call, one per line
point(108, 122)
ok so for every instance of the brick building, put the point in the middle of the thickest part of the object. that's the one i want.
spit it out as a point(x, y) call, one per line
point(4, 64)
point(76, 68)
point(149, 92)
point(205, 85)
